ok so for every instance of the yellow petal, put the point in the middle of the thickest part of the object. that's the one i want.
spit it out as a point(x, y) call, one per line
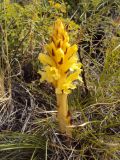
point(59, 56)
point(74, 76)
point(66, 37)
point(46, 60)
point(56, 54)
point(71, 51)
point(65, 87)
point(49, 74)
point(51, 49)
point(75, 66)
point(54, 72)
point(57, 41)
point(68, 86)
point(68, 63)
point(59, 25)
point(43, 76)
point(65, 46)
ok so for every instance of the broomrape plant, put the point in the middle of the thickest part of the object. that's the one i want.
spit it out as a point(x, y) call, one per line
point(62, 69)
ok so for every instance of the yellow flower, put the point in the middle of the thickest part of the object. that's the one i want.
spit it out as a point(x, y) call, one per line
point(51, 2)
point(46, 60)
point(50, 74)
point(61, 61)
point(57, 5)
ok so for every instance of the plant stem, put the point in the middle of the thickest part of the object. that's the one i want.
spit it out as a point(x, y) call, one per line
point(63, 114)
point(8, 67)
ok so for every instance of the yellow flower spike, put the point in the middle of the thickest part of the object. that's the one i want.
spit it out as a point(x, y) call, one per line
point(62, 69)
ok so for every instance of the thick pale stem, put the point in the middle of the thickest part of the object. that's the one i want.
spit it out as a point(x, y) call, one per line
point(63, 114)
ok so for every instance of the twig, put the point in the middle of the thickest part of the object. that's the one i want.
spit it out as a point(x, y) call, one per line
point(83, 74)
